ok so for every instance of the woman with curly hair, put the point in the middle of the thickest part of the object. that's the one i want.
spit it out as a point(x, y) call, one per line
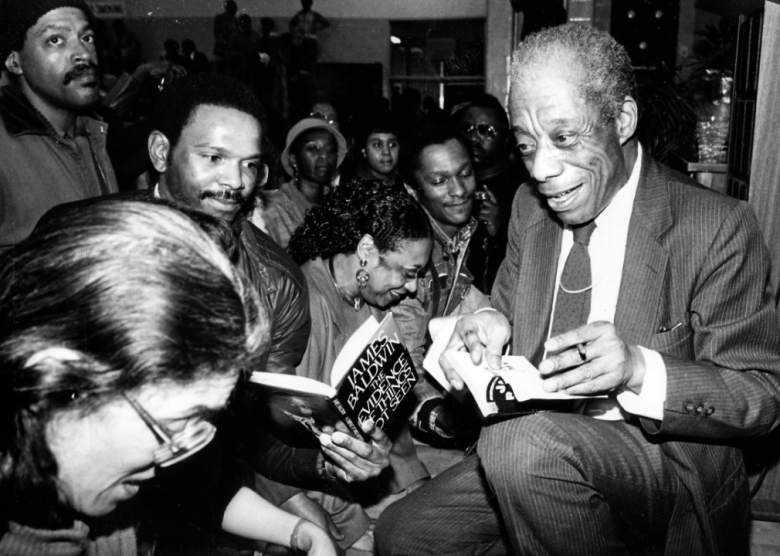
point(361, 251)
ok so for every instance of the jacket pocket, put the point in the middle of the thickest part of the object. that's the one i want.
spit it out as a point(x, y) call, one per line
point(677, 342)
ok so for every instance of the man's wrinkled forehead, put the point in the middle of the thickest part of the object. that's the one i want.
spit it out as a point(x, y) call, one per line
point(531, 80)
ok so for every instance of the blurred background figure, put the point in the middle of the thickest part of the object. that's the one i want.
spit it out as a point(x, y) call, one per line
point(194, 60)
point(245, 62)
point(172, 53)
point(128, 47)
point(225, 25)
point(304, 27)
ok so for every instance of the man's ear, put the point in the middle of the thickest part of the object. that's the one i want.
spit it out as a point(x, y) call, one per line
point(365, 247)
point(627, 119)
point(263, 179)
point(159, 149)
point(12, 63)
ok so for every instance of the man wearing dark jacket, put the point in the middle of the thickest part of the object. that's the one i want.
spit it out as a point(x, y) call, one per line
point(54, 151)
point(206, 151)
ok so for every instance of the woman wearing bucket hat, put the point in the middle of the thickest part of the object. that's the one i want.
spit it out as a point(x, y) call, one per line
point(313, 152)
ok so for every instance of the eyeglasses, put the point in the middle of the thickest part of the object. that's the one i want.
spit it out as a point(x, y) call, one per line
point(174, 447)
point(320, 116)
point(486, 131)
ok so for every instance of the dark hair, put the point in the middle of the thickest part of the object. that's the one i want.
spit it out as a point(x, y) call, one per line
point(142, 296)
point(179, 100)
point(17, 17)
point(422, 137)
point(367, 126)
point(171, 46)
point(374, 207)
point(188, 46)
point(486, 102)
point(606, 75)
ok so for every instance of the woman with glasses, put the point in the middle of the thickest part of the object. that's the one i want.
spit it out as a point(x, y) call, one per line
point(123, 330)
point(314, 151)
point(361, 251)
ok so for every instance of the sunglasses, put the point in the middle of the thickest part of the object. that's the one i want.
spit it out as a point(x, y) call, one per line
point(174, 447)
point(486, 131)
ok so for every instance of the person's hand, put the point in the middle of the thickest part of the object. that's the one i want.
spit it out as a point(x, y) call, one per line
point(482, 334)
point(591, 359)
point(311, 510)
point(489, 213)
point(315, 542)
point(352, 460)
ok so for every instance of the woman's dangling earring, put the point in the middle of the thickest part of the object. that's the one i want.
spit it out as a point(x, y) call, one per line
point(362, 275)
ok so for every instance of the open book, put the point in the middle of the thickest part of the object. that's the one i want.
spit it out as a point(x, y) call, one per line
point(370, 378)
point(516, 388)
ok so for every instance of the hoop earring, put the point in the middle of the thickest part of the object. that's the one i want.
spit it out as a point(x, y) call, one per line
point(362, 275)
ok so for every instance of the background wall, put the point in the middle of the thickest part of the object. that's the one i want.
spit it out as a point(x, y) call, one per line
point(359, 31)
point(349, 9)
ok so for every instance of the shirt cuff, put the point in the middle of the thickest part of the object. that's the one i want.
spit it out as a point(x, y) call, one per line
point(650, 401)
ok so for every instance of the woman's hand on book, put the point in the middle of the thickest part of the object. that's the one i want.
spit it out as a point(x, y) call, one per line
point(354, 460)
point(482, 334)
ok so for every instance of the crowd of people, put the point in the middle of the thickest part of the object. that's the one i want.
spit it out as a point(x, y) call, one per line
point(131, 321)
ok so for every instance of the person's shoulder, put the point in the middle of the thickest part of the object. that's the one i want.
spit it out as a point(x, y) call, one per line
point(317, 275)
point(687, 196)
point(74, 207)
point(528, 207)
point(267, 252)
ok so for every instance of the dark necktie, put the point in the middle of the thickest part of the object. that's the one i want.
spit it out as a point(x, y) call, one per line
point(572, 306)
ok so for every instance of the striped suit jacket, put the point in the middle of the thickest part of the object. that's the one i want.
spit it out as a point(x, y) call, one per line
point(694, 258)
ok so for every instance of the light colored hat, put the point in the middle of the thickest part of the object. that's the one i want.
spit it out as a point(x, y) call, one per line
point(305, 125)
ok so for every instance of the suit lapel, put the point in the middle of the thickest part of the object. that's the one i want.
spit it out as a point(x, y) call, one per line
point(646, 261)
point(536, 285)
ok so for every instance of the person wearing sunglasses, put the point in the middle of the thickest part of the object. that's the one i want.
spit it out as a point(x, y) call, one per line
point(484, 122)
point(123, 331)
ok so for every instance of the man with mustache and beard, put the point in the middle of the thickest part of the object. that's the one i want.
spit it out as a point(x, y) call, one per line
point(54, 150)
point(206, 150)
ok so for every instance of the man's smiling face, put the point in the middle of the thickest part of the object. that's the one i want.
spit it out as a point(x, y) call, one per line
point(215, 165)
point(574, 157)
